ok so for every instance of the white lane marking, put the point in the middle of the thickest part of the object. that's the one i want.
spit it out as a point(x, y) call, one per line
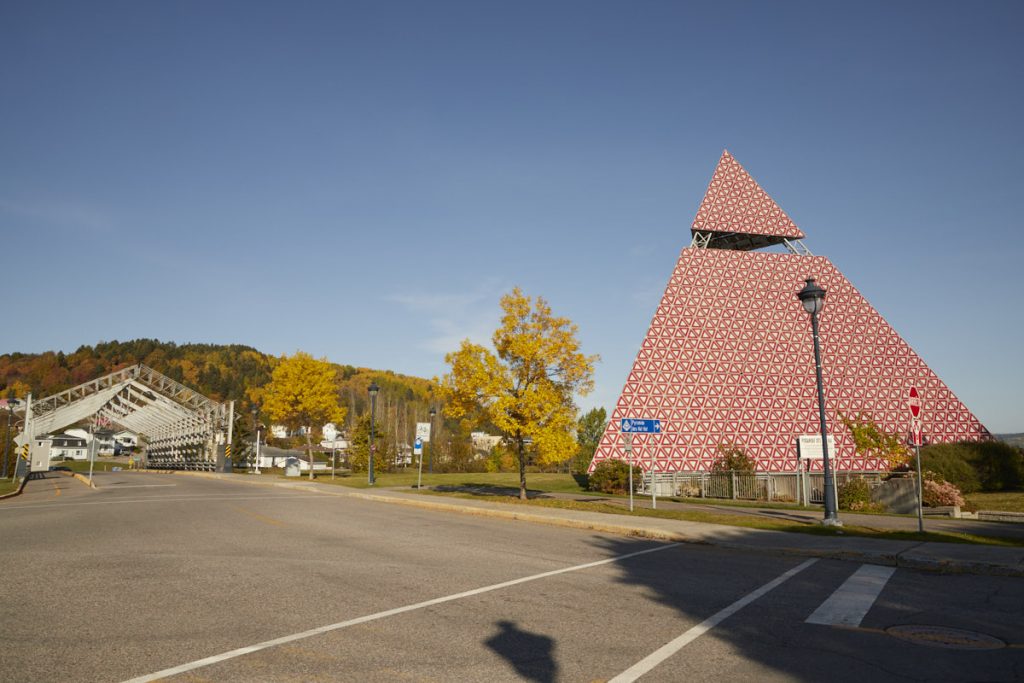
point(207, 661)
point(139, 486)
point(851, 601)
point(661, 654)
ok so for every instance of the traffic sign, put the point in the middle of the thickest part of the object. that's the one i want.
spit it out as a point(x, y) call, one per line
point(640, 426)
point(914, 401)
point(417, 446)
point(423, 431)
point(915, 433)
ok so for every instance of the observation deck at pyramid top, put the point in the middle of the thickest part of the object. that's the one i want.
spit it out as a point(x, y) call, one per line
point(738, 214)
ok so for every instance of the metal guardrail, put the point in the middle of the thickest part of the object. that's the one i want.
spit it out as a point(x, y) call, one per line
point(780, 487)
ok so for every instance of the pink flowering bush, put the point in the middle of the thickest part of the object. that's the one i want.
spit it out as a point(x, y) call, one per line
point(938, 492)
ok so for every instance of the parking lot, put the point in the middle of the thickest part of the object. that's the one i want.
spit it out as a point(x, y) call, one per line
point(185, 578)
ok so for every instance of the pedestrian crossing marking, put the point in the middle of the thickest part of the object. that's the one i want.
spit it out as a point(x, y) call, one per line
point(848, 605)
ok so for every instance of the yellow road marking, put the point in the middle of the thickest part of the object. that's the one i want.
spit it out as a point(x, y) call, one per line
point(56, 489)
point(262, 518)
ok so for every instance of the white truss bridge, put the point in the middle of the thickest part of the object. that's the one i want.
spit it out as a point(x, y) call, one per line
point(180, 427)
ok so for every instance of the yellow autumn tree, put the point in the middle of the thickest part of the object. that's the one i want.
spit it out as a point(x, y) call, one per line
point(528, 389)
point(302, 393)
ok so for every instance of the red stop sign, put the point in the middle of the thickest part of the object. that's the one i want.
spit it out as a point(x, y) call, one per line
point(915, 403)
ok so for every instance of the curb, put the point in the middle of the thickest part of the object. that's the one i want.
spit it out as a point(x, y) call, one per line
point(79, 476)
point(908, 558)
point(84, 479)
point(16, 492)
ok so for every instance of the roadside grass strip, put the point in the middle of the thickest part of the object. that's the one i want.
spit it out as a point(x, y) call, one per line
point(848, 605)
point(726, 519)
point(664, 652)
point(232, 654)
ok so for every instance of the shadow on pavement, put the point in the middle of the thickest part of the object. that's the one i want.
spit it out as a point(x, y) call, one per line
point(531, 654)
point(770, 637)
point(485, 491)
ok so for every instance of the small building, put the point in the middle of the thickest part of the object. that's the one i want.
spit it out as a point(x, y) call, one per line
point(66, 447)
point(482, 441)
point(127, 440)
point(104, 438)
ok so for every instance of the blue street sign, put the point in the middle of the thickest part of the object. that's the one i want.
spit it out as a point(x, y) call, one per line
point(639, 426)
point(418, 442)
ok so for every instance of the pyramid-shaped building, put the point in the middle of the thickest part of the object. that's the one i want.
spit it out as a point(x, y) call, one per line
point(729, 356)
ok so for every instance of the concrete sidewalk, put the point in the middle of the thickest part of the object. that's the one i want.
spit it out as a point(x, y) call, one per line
point(937, 557)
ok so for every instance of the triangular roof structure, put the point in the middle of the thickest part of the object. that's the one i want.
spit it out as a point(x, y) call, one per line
point(176, 421)
point(729, 360)
point(738, 214)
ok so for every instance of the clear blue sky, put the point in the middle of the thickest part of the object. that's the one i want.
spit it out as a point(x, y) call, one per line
point(363, 180)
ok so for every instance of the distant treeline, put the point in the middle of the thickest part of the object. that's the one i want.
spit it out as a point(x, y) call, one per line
point(222, 372)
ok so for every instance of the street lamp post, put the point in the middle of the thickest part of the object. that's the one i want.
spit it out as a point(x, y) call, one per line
point(813, 299)
point(433, 437)
point(373, 409)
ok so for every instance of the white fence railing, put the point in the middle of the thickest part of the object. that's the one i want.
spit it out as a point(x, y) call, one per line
point(794, 487)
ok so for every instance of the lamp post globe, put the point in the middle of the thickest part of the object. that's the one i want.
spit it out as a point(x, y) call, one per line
point(373, 389)
point(812, 296)
point(433, 413)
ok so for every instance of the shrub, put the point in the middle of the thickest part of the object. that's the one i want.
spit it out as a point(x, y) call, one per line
point(733, 459)
point(612, 476)
point(999, 465)
point(976, 466)
point(854, 495)
point(952, 462)
point(937, 492)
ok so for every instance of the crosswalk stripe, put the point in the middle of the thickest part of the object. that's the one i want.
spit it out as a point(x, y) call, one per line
point(848, 605)
point(665, 651)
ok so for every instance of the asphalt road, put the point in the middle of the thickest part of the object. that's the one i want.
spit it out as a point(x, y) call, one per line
point(156, 572)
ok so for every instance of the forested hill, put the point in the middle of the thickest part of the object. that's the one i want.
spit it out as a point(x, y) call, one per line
point(222, 372)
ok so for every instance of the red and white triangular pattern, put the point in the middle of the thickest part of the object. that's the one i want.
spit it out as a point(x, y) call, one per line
point(729, 359)
point(735, 203)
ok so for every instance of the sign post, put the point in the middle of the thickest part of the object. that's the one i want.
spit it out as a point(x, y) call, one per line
point(417, 449)
point(627, 441)
point(639, 426)
point(914, 402)
point(630, 426)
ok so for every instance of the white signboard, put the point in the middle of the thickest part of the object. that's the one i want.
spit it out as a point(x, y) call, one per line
point(809, 447)
point(330, 431)
point(423, 431)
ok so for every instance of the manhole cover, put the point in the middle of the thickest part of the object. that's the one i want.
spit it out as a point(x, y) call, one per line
point(949, 638)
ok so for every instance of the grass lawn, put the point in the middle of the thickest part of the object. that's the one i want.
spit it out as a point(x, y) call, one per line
point(7, 486)
point(495, 486)
point(82, 466)
point(709, 517)
point(1005, 501)
point(548, 483)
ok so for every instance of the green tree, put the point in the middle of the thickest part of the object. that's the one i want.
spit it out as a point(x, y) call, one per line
point(359, 446)
point(589, 430)
point(527, 389)
point(302, 393)
point(871, 441)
